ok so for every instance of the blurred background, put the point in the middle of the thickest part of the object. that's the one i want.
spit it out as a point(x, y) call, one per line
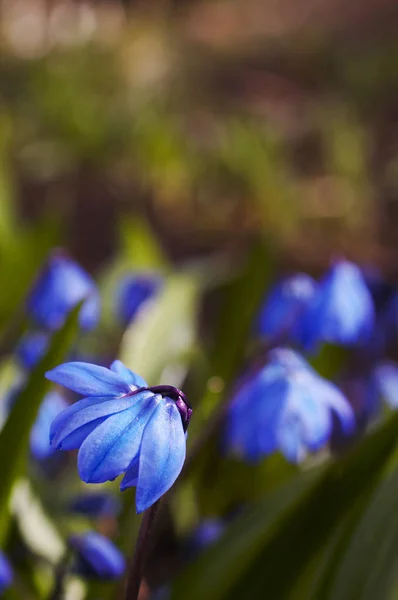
point(222, 144)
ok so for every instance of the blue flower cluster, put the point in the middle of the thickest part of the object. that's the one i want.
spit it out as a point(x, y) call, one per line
point(96, 557)
point(338, 310)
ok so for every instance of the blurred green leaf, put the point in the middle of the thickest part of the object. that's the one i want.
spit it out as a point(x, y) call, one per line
point(14, 437)
point(367, 566)
point(283, 543)
point(164, 329)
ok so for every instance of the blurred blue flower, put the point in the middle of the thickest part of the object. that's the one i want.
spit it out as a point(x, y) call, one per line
point(206, 533)
point(6, 573)
point(133, 292)
point(60, 286)
point(384, 383)
point(286, 406)
point(31, 348)
point(122, 426)
point(51, 406)
point(284, 305)
point(96, 557)
point(95, 505)
point(341, 312)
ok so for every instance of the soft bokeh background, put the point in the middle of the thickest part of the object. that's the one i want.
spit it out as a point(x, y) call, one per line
point(222, 143)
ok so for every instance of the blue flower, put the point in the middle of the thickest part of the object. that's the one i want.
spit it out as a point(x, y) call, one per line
point(31, 348)
point(96, 557)
point(122, 426)
point(133, 292)
point(95, 505)
point(284, 305)
point(59, 287)
point(384, 383)
point(286, 406)
point(51, 406)
point(6, 573)
point(206, 533)
point(341, 312)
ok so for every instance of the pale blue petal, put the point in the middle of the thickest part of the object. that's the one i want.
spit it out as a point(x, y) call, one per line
point(290, 441)
point(110, 449)
point(162, 454)
point(129, 377)
point(339, 405)
point(88, 379)
point(77, 418)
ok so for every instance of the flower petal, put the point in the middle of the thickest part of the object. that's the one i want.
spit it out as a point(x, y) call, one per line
point(131, 477)
point(71, 420)
point(129, 377)
point(162, 454)
point(110, 449)
point(62, 418)
point(74, 440)
point(88, 379)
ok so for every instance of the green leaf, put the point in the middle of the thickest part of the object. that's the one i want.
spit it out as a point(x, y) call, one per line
point(164, 331)
point(14, 438)
point(368, 565)
point(285, 540)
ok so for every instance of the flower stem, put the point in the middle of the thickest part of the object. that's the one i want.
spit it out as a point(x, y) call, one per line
point(137, 565)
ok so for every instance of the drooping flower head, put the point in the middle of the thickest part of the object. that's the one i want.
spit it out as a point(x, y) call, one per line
point(52, 405)
point(6, 573)
point(96, 557)
point(284, 305)
point(60, 286)
point(133, 292)
point(31, 348)
point(286, 406)
point(122, 426)
point(341, 312)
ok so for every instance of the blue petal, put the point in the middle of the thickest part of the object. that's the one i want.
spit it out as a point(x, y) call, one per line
point(284, 305)
point(134, 291)
point(59, 287)
point(51, 406)
point(72, 418)
point(31, 348)
point(162, 454)
point(290, 441)
point(63, 417)
point(339, 405)
point(99, 557)
point(385, 378)
point(6, 573)
point(132, 379)
point(74, 440)
point(110, 449)
point(131, 477)
point(305, 406)
point(88, 379)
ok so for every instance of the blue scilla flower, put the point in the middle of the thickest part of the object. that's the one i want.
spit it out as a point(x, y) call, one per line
point(31, 348)
point(285, 406)
point(51, 406)
point(95, 505)
point(6, 573)
point(59, 287)
point(134, 291)
point(122, 426)
point(341, 312)
point(96, 557)
point(284, 305)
